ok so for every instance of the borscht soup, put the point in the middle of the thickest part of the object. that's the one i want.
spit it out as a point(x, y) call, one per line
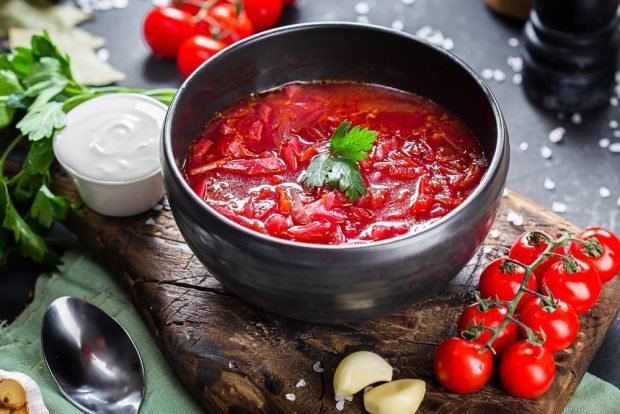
point(334, 163)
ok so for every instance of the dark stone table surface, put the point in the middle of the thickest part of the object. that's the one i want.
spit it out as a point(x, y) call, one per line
point(578, 166)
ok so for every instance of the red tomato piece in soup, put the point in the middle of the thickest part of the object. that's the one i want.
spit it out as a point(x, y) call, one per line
point(248, 160)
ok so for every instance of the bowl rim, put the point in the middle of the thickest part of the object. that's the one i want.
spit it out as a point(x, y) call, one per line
point(495, 159)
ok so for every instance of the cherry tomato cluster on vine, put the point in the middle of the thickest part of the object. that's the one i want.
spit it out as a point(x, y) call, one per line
point(194, 30)
point(559, 288)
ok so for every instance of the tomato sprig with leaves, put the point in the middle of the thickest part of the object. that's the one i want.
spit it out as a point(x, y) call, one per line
point(36, 90)
point(548, 322)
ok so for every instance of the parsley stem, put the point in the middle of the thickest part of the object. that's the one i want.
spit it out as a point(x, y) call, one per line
point(8, 151)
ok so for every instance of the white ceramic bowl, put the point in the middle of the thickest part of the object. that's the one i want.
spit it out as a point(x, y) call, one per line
point(126, 194)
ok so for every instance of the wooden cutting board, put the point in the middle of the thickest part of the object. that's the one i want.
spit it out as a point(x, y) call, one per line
point(235, 358)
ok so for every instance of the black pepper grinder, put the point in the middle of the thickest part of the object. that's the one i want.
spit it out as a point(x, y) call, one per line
point(570, 53)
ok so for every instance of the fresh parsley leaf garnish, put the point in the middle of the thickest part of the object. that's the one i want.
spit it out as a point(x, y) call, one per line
point(338, 168)
point(37, 89)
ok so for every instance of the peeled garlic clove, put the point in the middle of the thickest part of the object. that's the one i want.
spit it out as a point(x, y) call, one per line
point(12, 393)
point(402, 396)
point(358, 370)
point(20, 393)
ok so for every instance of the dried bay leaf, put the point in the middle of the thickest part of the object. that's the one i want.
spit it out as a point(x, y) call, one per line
point(40, 14)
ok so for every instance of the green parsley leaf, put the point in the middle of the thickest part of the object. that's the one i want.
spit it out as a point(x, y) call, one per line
point(48, 207)
point(31, 244)
point(353, 145)
point(345, 175)
point(9, 84)
point(41, 122)
point(21, 60)
point(339, 168)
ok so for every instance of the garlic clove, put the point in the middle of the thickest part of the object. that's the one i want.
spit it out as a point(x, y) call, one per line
point(12, 393)
point(20, 394)
point(358, 370)
point(402, 396)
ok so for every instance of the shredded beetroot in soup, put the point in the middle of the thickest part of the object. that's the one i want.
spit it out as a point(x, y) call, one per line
point(249, 162)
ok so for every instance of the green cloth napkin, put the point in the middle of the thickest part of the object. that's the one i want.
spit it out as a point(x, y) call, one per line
point(81, 276)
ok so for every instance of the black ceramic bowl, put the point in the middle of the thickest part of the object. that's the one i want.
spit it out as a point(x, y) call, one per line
point(321, 283)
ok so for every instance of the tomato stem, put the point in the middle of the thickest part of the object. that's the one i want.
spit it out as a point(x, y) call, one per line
point(203, 10)
point(512, 305)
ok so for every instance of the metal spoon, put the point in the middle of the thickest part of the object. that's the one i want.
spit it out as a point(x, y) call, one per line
point(92, 359)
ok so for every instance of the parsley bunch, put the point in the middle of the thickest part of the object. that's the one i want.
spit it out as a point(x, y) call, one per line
point(338, 168)
point(36, 91)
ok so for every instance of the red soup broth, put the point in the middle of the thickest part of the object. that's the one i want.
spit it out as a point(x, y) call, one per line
point(249, 160)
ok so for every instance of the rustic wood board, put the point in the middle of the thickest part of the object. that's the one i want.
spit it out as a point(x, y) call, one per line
point(235, 358)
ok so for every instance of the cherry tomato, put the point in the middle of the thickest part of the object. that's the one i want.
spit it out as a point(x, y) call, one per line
point(224, 24)
point(460, 367)
point(528, 247)
point(560, 324)
point(263, 13)
point(527, 370)
point(165, 28)
point(502, 280)
point(608, 263)
point(580, 287)
point(196, 50)
point(492, 318)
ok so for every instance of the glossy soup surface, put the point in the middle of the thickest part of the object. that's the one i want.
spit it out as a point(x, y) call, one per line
point(248, 160)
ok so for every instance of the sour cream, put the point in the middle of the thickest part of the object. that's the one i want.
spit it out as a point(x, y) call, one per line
point(110, 148)
point(112, 138)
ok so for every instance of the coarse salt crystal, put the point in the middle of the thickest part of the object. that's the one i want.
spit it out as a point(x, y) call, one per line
point(559, 207)
point(160, 2)
point(424, 31)
point(368, 388)
point(290, 397)
point(436, 38)
point(517, 79)
point(613, 101)
point(398, 25)
point(150, 222)
point(514, 218)
point(120, 4)
point(515, 62)
point(103, 54)
point(494, 233)
point(546, 152)
point(362, 8)
point(230, 365)
point(301, 383)
point(407, 2)
point(618, 201)
point(549, 184)
point(556, 135)
point(613, 124)
point(505, 192)
point(317, 367)
point(340, 405)
point(158, 207)
point(362, 19)
point(615, 147)
point(604, 142)
point(348, 398)
point(576, 118)
point(487, 249)
point(617, 133)
point(523, 146)
point(498, 75)
point(513, 42)
point(487, 74)
point(448, 44)
point(604, 192)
